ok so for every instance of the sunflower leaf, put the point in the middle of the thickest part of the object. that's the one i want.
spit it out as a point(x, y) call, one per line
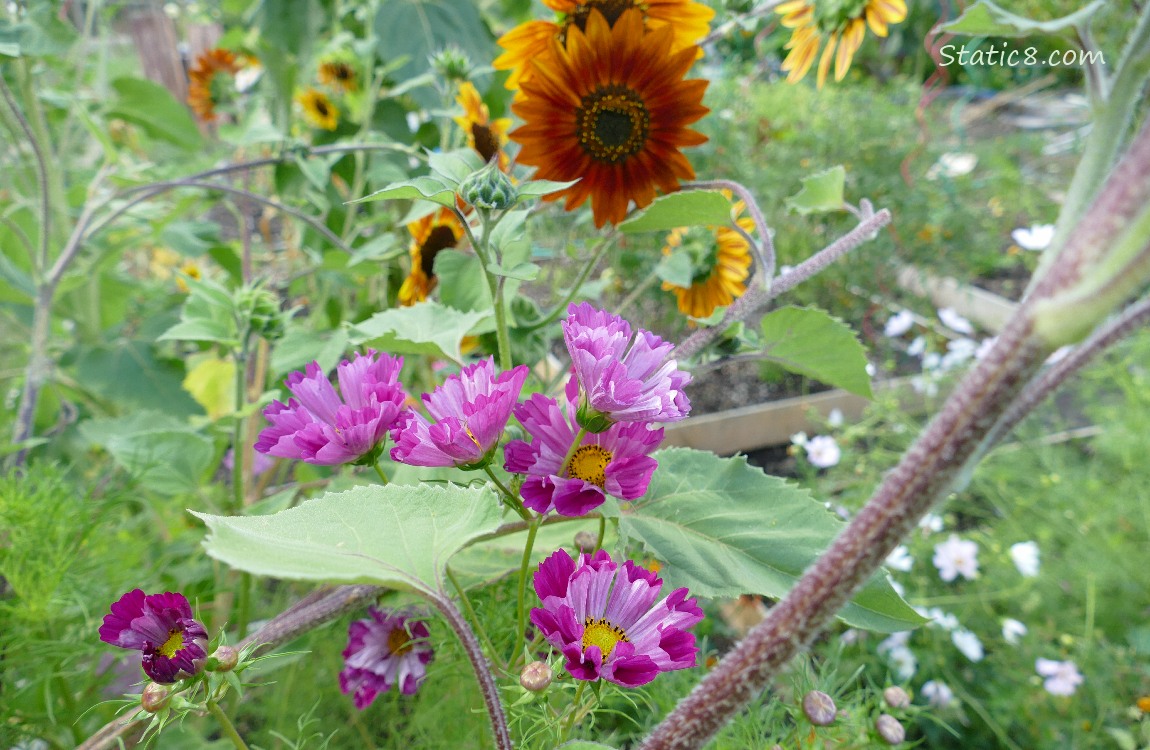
point(536, 188)
point(676, 269)
point(821, 193)
point(812, 343)
point(725, 528)
point(398, 536)
point(454, 167)
point(424, 328)
point(421, 188)
point(686, 208)
point(988, 19)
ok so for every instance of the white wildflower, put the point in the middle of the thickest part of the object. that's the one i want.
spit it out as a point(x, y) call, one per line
point(955, 322)
point(1025, 557)
point(1036, 237)
point(938, 694)
point(823, 452)
point(1062, 677)
point(956, 557)
point(900, 559)
point(1012, 631)
point(898, 324)
point(967, 642)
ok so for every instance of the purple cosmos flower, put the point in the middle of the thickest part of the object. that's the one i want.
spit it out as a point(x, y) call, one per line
point(384, 650)
point(471, 409)
point(615, 462)
point(174, 643)
point(604, 618)
point(318, 427)
point(623, 378)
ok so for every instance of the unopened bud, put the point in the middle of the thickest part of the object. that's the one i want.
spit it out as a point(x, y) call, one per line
point(224, 659)
point(819, 708)
point(535, 677)
point(155, 697)
point(585, 541)
point(489, 188)
point(452, 63)
point(262, 309)
point(889, 728)
point(896, 697)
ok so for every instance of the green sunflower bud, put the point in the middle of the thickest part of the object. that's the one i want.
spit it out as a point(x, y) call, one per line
point(452, 63)
point(489, 188)
point(261, 309)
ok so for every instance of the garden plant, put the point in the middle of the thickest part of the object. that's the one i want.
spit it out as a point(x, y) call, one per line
point(343, 338)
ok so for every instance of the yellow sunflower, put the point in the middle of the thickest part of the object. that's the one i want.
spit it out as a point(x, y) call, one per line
point(721, 258)
point(840, 23)
point(204, 85)
point(429, 235)
point(689, 21)
point(486, 136)
point(318, 109)
point(611, 108)
point(338, 74)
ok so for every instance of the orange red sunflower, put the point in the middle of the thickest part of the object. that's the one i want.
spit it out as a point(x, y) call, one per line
point(204, 81)
point(832, 24)
point(612, 109)
point(429, 235)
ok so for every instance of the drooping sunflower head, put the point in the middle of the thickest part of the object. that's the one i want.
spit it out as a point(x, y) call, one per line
point(210, 82)
point(688, 20)
point(720, 262)
point(486, 136)
point(429, 235)
point(612, 109)
point(838, 23)
point(318, 109)
point(339, 73)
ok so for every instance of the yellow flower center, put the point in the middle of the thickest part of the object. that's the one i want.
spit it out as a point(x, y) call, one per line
point(590, 464)
point(174, 643)
point(602, 634)
point(398, 641)
point(612, 123)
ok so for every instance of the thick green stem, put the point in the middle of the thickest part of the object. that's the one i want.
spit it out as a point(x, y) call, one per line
point(379, 470)
point(509, 497)
point(238, 446)
point(494, 282)
point(576, 710)
point(566, 466)
point(521, 618)
point(227, 726)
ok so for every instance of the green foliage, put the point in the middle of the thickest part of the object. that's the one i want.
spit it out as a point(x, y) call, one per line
point(985, 18)
point(391, 536)
point(208, 315)
point(161, 452)
point(425, 328)
point(821, 193)
point(686, 208)
point(156, 111)
point(725, 528)
point(812, 343)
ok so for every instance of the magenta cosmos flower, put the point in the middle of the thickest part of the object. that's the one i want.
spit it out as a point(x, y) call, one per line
point(320, 427)
point(622, 378)
point(471, 409)
point(174, 644)
point(615, 462)
point(604, 618)
point(384, 650)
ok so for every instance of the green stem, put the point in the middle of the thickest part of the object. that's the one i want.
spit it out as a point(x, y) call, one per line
point(602, 533)
point(470, 610)
point(561, 308)
point(494, 283)
point(508, 496)
point(565, 467)
point(576, 706)
point(521, 619)
point(227, 726)
point(238, 447)
point(379, 470)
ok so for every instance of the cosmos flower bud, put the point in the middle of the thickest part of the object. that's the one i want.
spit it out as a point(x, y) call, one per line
point(896, 697)
point(224, 659)
point(489, 188)
point(889, 728)
point(586, 541)
point(536, 676)
point(155, 697)
point(819, 708)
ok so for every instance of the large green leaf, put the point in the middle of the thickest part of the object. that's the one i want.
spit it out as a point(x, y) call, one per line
point(486, 562)
point(208, 315)
point(812, 343)
point(424, 328)
point(987, 19)
point(821, 193)
point(128, 373)
point(725, 528)
point(686, 208)
point(390, 536)
point(420, 188)
point(301, 345)
point(153, 108)
point(161, 452)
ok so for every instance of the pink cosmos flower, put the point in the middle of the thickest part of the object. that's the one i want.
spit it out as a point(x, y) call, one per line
point(604, 618)
point(319, 427)
point(174, 644)
point(384, 650)
point(622, 377)
point(471, 409)
point(615, 462)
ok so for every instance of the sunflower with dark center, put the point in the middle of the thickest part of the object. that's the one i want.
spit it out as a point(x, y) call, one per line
point(838, 23)
point(689, 22)
point(720, 261)
point(429, 235)
point(209, 81)
point(612, 110)
point(318, 109)
point(339, 74)
point(485, 135)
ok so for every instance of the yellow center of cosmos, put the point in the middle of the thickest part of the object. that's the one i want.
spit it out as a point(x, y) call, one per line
point(590, 464)
point(174, 643)
point(398, 641)
point(612, 123)
point(602, 634)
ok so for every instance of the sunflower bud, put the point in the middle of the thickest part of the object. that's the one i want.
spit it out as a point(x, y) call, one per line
point(155, 697)
point(819, 708)
point(261, 308)
point(535, 677)
point(489, 188)
point(889, 728)
point(451, 63)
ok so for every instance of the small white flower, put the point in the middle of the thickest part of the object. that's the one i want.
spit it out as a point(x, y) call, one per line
point(903, 662)
point(967, 642)
point(931, 522)
point(958, 352)
point(931, 362)
point(956, 557)
point(952, 165)
point(1035, 237)
point(893, 641)
point(900, 559)
point(414, 120)
point(870, 369)
point(938, 694)
point(1012, 631)
point(955, 322)
point(917, 347)
point(1025, 557)
point(835, 418)
point(898, 324)
point(1062, 677)
point(823, 452)
point(939, 618)
point(984, 348)
point(924, 385)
